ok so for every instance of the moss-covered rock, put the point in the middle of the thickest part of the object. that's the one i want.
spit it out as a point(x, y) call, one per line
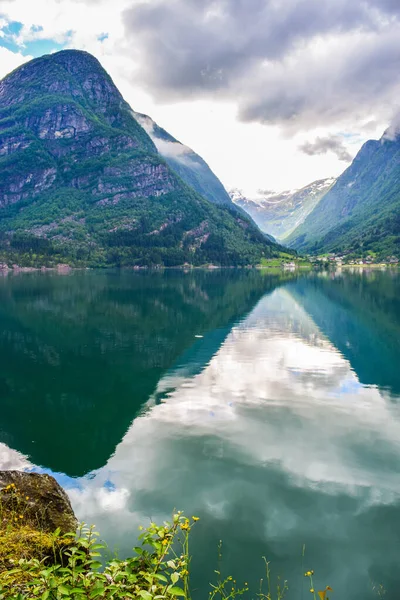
point(35, 516)
point(37, 500)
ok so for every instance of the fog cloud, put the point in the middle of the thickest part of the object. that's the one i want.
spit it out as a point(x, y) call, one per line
point(167, 147)
point(393, 131)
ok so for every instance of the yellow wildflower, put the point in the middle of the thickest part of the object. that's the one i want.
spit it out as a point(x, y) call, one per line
point(164, 542)
point(195, 518)
point(185, 525)
point(312, 590)
point(322, 595)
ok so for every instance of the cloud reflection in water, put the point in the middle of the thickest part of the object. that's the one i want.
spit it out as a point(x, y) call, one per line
point(275, 443)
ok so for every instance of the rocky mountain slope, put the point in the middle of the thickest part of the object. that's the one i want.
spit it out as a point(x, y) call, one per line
point(81, 181)
point(184, 161)
point(279, 214)
point(361, 212)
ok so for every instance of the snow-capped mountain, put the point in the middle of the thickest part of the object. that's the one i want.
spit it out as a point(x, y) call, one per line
point(278, 214)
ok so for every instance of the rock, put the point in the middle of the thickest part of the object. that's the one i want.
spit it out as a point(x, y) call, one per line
point(63, 268)
point(40, 500)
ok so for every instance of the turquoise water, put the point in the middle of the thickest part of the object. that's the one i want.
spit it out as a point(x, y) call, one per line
point(266, 405)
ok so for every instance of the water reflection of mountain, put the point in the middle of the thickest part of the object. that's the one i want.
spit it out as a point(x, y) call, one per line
point(274, 443)
point(80, 355)
point(360, 314)
point(262, 427)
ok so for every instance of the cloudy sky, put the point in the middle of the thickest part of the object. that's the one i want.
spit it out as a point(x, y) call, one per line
point(273, 94)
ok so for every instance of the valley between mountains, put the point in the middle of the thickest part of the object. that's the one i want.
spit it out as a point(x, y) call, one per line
point(87, 181)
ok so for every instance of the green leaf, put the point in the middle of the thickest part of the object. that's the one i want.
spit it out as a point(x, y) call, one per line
point(98, 591)
point(63, 590)
point(157, 546)
point(146, 595)
point(174, 577)
point(13, 571)
point(138, 550)
point(45, 595)
point(176, 591)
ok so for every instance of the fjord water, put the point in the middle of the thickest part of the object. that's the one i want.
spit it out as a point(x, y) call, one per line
point(268, 405)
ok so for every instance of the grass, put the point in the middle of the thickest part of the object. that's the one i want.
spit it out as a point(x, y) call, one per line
point(278, 262)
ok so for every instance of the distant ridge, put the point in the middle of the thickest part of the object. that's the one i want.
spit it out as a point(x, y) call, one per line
point(279, 214)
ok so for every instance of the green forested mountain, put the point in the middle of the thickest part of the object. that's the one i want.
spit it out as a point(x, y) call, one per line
point(361, 213)
point(82, 182)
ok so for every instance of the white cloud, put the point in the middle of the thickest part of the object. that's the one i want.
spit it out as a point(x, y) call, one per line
point(10, 61)
point(12, 459)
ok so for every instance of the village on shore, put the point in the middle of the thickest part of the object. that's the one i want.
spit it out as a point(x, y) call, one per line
point(342, 260)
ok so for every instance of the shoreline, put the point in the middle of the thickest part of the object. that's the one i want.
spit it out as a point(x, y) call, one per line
point(66, 269)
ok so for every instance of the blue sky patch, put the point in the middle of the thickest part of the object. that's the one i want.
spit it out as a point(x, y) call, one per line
point(40, 47)
point(35, 48)
point(8, 35)
point(64, 480)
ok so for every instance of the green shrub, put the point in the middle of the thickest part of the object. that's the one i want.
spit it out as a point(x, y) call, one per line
point(69, 566)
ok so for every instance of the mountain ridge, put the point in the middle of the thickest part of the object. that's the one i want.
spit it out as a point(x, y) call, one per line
point(82, 181)
point(361, 212)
